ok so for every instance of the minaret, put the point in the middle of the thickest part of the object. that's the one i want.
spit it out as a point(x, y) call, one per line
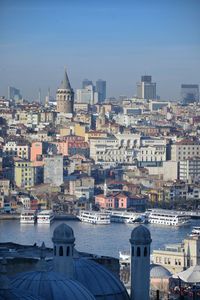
point(105, 188)
point(140, 263)
point(63, 240)
point(65, 96)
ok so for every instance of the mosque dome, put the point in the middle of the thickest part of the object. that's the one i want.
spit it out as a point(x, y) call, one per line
point(63, 234)
point(140, 235)
point(51, 286)
point(98, 280)
point(157, 271)
point(17, 294)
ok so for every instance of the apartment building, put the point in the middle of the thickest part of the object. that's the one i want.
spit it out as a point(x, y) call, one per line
point(189, 170)
point(24, 173)
point(20, 149)
point(184, 149)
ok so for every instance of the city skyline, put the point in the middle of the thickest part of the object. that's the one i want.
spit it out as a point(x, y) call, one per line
point(115, 41)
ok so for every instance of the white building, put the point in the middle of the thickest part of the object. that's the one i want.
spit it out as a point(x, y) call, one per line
point(53, 170)
point(14, 149)
point(87, 95)
point(146, 89)
point(189, 170)
point(184, 149)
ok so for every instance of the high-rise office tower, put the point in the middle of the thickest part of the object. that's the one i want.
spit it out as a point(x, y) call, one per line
point(86, 82)
point(189, 93)
point(101, 89)
point(65, 96)
point(146, 89)
point(87, 95)
point(13, 93)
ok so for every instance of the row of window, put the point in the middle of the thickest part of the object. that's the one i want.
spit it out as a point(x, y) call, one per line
point(61, 251)
point(137, 251)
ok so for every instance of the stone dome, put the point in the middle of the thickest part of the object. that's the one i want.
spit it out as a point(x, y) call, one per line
point(140, 235)
point(98, 280)
point(158, 271)
point(63, 234)
point(51, 286)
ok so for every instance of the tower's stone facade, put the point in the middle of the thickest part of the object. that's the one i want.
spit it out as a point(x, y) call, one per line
point(65, 97)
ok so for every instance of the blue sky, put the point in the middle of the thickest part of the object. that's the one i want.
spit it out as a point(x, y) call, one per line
point(114, 40)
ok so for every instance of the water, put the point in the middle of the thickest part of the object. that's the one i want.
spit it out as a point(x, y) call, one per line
point(99, 239)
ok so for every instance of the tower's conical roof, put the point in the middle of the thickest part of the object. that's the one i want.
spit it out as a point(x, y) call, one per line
point(65, 84)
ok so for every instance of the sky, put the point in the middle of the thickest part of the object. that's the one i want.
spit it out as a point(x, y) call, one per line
point(115, 40)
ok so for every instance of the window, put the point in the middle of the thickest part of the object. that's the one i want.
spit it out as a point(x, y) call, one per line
point(138, 251)
point(145, 251)
point(68, 251)
point(54, 250)
point(132, 251)
point(61, 251)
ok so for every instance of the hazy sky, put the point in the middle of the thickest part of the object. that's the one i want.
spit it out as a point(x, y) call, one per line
point(114, 40)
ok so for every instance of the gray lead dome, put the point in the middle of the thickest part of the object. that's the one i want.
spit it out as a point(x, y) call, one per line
point(51, 286)
point(140, 235)
point(99, 281)
point(63, 234)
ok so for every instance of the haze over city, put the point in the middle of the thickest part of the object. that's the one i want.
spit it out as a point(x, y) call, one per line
point(114, 40)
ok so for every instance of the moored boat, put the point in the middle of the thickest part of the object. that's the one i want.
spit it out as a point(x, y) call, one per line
point(28, 217)
point(94, 217)
point(168, 217)
point(45, 217)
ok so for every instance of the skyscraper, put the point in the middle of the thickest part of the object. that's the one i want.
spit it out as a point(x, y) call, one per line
point(86, 82)
point(101, 89)
point(146, 89)
point(65, 96)
point(189, 93)
point(14, 94)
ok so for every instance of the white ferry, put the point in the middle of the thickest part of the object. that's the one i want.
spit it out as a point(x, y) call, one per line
point(168, 217)
point(94, 217)
point(45, 217)
point(195, 231)
point(126, 217)
point(28, 217)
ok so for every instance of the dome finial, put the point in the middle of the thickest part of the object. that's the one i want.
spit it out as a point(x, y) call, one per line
point(42, 262)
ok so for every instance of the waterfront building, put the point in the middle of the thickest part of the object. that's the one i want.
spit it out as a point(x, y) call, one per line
point(121, 201)
point(189, 93)
point(53, 169)
point(146, 89)
point(101, 90)
point(178, 257)
point(65, 96)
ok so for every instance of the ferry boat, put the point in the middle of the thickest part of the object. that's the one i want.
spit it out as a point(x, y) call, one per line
point(93, 217)
point(28, 217)
point(126, 217)
point(168, 217)
point(45, 217)
point(195, 231)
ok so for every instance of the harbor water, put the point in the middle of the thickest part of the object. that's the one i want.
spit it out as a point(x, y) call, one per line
point(98, 239)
